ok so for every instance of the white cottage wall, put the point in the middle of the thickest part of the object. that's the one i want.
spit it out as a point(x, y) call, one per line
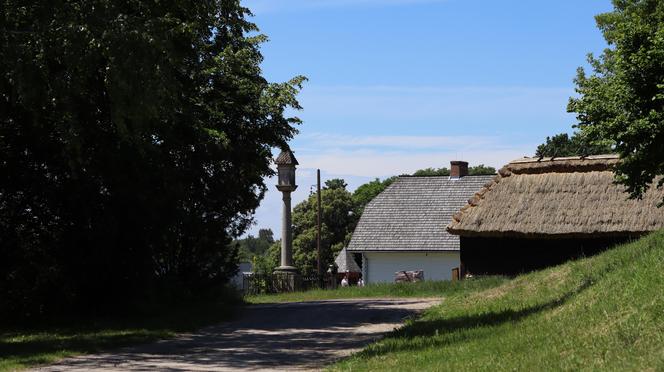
point(380, 266)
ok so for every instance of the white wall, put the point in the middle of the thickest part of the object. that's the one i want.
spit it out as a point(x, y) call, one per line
point(381, 266)
point(238, 280)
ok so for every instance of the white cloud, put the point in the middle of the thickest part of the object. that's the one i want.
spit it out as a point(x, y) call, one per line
point(384, 156)
point(385, 164)
point(359, 133)
point(404, 142)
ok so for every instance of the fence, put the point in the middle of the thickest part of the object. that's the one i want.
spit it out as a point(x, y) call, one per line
point(254, 284)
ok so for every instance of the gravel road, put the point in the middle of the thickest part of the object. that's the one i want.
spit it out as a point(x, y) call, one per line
point(276, 337)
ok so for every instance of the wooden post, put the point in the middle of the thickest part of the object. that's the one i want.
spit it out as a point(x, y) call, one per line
point(455, 274)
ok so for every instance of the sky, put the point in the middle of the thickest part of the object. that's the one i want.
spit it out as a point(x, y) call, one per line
point(399, 85)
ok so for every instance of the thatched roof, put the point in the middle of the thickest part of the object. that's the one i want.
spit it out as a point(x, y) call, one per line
point(411, 214)
point(346, 263)
point(561, 197)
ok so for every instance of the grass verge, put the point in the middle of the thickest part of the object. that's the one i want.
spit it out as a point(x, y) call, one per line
point(28, 347)
point(387, 290)
point(600, 313)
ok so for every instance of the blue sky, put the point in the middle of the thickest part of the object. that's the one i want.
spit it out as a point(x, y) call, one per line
point(399, 85)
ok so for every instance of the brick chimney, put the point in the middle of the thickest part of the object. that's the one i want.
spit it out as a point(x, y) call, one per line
point(458, 169)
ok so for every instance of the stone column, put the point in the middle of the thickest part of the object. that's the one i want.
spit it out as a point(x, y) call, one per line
point(286, 276)
point(286, 235)
point(286, 265)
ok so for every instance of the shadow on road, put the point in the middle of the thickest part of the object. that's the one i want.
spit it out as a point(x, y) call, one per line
point(284, 336)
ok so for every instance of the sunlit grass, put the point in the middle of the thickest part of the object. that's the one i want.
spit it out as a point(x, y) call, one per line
point(600, 313)
point(387, 290)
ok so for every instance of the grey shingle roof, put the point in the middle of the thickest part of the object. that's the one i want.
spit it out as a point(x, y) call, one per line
point(412, 214)
point(345, 262)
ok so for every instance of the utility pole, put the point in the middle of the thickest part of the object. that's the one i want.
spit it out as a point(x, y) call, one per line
point(320, 269)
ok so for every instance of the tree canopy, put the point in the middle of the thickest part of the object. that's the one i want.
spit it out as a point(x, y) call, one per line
point(337, 223)
point(480, 170)
point(578, 145)
point(622, 100)
point(444, 171)
point(135, 137)
point(252, 246)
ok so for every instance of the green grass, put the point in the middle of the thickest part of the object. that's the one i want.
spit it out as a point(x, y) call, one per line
point(387, 290)
point(28, 347)
point(600, 313)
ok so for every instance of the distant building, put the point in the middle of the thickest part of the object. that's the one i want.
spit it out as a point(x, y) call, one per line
point(541, 212)
point(403, 228)
point(346, 265)
point(244, 269)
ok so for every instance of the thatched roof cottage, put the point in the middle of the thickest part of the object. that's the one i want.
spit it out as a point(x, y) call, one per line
point(541, 212)
point(403, 228)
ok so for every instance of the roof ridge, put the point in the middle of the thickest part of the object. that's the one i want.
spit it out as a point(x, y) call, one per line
point(536, 159)
point(448, 176)
point(594, 163)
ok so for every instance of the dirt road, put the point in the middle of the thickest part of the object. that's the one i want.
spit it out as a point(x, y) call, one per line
point(295, 336)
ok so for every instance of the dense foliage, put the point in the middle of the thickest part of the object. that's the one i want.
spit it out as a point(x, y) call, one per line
point(444, 171)
point(480, 170)
point(252, 246)
point(622, 101)
point(577, 145)
point(338, 221)
point(135, 137)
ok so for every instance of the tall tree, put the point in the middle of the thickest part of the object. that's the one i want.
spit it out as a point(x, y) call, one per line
point(266, 235)
point(338, 222)
point(622, 101)
point(135, 136)
point(251, 246)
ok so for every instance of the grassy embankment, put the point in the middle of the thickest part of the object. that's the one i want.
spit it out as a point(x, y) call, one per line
point(600, 313)
point(386, 290)
point(23, 347)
